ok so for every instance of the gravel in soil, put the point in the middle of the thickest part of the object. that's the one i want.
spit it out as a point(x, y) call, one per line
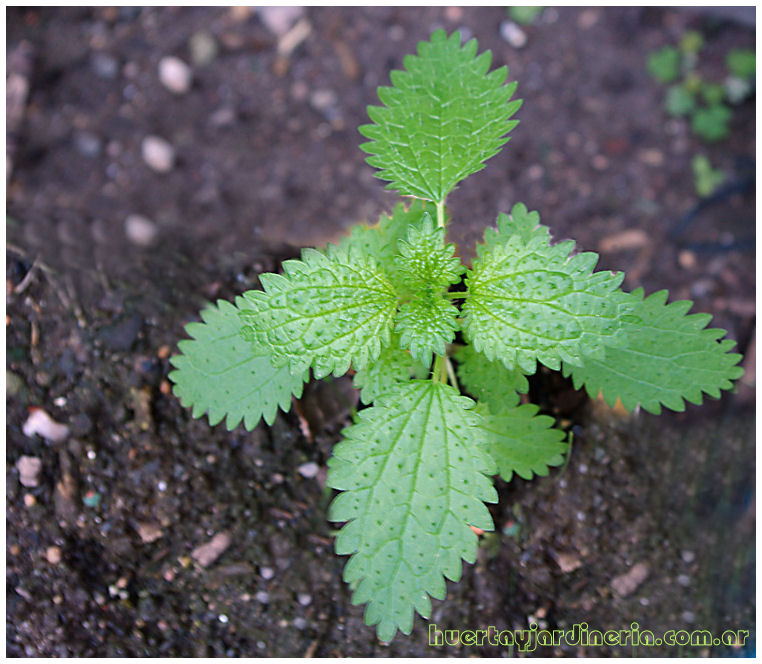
point(144, 532)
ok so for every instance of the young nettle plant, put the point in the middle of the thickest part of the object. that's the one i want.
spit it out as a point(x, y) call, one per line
point(387, 302)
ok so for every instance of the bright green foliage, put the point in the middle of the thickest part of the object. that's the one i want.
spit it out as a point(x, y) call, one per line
point(529, 300)
point(522, 442)
point(742, 62)
point(442, 119)
point(221, 374)
point(424, 262)
point(388, 302)
point(412, 476)
point(664, 64)
point(381, 240)
point(712, 123)
point(668, 356)
point(393, 366)
point(326, 311)
point(426, 324)
point(489, 382)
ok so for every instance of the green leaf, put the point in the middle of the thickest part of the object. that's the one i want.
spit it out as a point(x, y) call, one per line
point(426, 324)
point(489, 382)
point(706, 178)
point(525, 15)
point(664, 64)
point(221, 374)
point(442, 119)
point(425, 262)
point(529, 301)
point(412, 475)
point(326, 311)
point(742, 62)
point(522, 442)
point(679, 101)
point(393, 366)
point(712, 93)
point(667, 357)
point(711, 123)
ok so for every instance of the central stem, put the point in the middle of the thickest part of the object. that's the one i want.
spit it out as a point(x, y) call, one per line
point(440, 214)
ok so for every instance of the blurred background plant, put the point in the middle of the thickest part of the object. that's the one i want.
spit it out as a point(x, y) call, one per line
point(690, 95)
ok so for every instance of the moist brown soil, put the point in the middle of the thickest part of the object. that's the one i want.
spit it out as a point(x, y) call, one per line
point(99, 552)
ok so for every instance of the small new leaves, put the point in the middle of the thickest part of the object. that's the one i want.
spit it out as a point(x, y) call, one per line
point(326, 311)
point(529, 300)
point(412, 476)
point(667, 356)
point(442, 119)
point(221, 374)
point(425, 266)
point(382, 239)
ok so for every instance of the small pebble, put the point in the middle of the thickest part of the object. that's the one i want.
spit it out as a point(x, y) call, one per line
point(29, 500)
point(513, 34)
point(175, 75)
point(149, 532)
point(267, 573)
point(262, 597)
point(309, 469)
point(684, 580)
point(627, 583)
point(280, 19)
point(87, 144)
point(53, 555)
point(323, 99)
point(687, 259)
point(688, 616)
point(688, 556)
point(91, 499)
point(300, 623)
point(203, 48)
point(158, 154)
point(140, 230)
point(207, 553)
point(223, 618)
point(30, 469)
point(105, 65)
point(304, 599)
point(40, 423)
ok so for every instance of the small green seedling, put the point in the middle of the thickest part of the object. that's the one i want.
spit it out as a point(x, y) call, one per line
point(394, 304)
point(707, 179)
point(702, 101)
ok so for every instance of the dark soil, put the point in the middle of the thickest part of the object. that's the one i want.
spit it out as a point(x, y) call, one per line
point(99, 552)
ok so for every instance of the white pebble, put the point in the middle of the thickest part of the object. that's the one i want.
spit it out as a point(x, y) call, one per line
point(309, 469)
point(280, 19)
point(175, 75)
point(158, 154)
point(140, 230)
point(266, 573)
point(40, 423)
point(262, 597)
point(29, 469)
point(304, 599)
point(513, 34)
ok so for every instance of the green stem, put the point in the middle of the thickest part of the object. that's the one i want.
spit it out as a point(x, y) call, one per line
point(436, 372)
point(457, 294)
point(440, 214)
